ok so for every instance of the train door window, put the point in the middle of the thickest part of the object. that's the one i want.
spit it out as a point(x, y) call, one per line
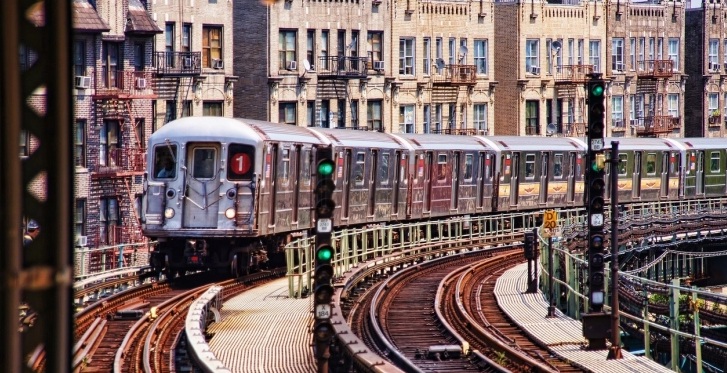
point(529, 166)
point(204, 160)
point(305, 173)
point(488, 166)
point(284, 174)
point(441, 167)
point(239, 162)
point(165, 161)
point(651, 164)
point(622, 160)
point(403, 169)
point(558, 166)
point(714, 162)
point(468, 160)
point(674, 164)
point(384, 169)
point(505, 163)
point(359, 168)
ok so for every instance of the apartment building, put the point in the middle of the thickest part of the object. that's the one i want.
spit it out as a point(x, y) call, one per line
point(193, 58)
point(706, 57)
point(544, 53)
point(393, 66)
point(646, 68)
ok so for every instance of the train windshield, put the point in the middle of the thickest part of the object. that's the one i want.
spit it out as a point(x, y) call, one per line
point(165, 165)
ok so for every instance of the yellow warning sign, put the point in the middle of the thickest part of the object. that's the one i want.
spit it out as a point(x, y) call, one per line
point(550, 219)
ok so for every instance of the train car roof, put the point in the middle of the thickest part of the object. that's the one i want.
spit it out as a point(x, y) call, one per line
point(283, 132)
point(703, 142)
point(444, 142)
point(641, 143)
point(359, 139)
point(536, 143)
point(205, 129)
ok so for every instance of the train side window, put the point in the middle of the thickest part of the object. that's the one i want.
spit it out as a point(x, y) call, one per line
point(239, 162)
point(529, 166)
point(622, 159)
point(468, 159)
point(204, 163)
point(284, 175)
point(558, 166)
point(714, 162)
point(358, 173)
point(651, 164)
point(384, 169)
point(441, 167)
point(165, 161)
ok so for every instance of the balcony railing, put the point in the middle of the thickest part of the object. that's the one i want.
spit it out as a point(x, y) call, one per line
point(656, 125)
point(360, 128)
point(342, 67)
point(178, 63)
point(574, 129)
point(655, 68)
point(569, 74)
point(459, 131)
point(457, 75)
point(122, 161)
point(120, 84)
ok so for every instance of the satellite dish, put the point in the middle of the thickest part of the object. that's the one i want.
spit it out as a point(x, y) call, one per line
point(462, 53)
point(551, 128)
point(555, 46)
point(306, 65)
point(440, 63)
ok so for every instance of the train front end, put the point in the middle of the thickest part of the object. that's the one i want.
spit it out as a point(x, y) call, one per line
point(199, 196)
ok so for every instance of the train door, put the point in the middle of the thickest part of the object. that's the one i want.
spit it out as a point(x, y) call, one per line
point(346, 173)
point(202, 186)
point(544, 178)
point(572, 176)
point(700, 173)
point(480, 180)
point(372, 181)
point(514, 179)
point(664, 175)
point(636, 177)
point(296, 179)
point(455, 182)
point(428, 171)
point(396, 183)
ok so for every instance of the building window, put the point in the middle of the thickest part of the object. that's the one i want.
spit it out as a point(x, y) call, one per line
point(109, 221)
point(286, 113)
point(212, 108)
point(341, 114)
point(617, 54)
point(353, 49)
point(171, 111)
point(406, 118)
point(186, 108)
point(375, 46)
point(427, 60)
point(438, 45)
point(594, 54)
point(724, 50)
point(659, 48)
point(438, 118)
point(311, 113)
point(672, 100)
point(532, 117)
point(110, 143)
point(212, 46)
point(632, 53)
point(24, 143)
point(324, 49)
point(324, 115)
point(617, 111)
point(169, 43)
point(571, 51)
point(310, 48)
point(139, 132)
point(139, 59)
point(452, 50)
point(79, 143)
point(79, 57)
point(553, 56)
point(286, 49)
point(481, 56)
point(480, 117)
point(79, 217)
point(713, 100)
point(713, 54)
point(531, 56)
point(651, 50)
point(452, 118)
point(354, 114)
point(674, 52)
point(187, 37)
point(341, 44)
point(427, 120)
point(374, 115)
point(110, 64)
point(406, 56)
point(580, 52)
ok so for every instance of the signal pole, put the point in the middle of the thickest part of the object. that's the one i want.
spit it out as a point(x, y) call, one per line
point(596, 323)
point(614, 353)
point(323, 275)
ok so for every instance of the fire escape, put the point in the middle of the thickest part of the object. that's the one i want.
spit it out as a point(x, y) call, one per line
point(568, 82)
point(446, 86)
point(334, 75)
point(115, 94)
point(177, 73)
point(650, 74)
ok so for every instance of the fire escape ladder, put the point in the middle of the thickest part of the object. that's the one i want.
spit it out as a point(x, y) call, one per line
point(134, 225)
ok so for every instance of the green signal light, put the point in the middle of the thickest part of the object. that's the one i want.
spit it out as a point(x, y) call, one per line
point(324, 253)
point(597, 90)
point(325, 167)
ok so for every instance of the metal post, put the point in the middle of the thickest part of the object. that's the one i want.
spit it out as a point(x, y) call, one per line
point(551, 296)
point(615, 351)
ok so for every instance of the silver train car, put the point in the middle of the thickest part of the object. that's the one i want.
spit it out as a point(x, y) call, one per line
point(227, 194)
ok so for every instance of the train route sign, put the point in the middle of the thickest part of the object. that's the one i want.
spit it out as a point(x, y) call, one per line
point(550, 219)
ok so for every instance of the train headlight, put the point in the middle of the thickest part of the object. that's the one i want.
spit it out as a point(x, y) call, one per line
point(169, 213)
point(230, 213)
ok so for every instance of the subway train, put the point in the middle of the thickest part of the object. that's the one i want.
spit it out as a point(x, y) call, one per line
point(227, 194)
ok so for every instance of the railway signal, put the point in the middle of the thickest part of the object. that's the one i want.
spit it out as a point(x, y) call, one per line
point(324, 252)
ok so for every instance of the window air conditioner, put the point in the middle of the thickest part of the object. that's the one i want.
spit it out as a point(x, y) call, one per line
point(292, 65)
point(82, 241)
point(535, 70)
point(218, 64)
point(140, 83)
point(83, 82)
point(713, 66)
point(378, 65)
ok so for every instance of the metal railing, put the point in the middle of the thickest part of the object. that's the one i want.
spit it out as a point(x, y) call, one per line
point(122, 84)
point(657, 124)
point(456, 75)
point(566, 74)
point(178, 63)
point(342, 67)
point(655, 68)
